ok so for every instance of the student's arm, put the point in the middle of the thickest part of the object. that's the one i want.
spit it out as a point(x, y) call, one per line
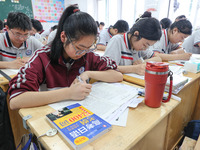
point(154, 58)
point(106, 76)
point(168, 57)
point(76, 91)
point(178, 51)
point(101, 47)
point(138, 69)
point(15, 64)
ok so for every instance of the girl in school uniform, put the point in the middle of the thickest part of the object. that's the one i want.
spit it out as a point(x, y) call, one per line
point(58, 65)
point(192, 43)
point(129, 49)
point(168, 47)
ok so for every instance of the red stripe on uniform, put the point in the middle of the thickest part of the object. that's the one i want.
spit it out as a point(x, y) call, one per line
point(125, 40)
point(8, 56)
point(125, 57)
point(5, 43)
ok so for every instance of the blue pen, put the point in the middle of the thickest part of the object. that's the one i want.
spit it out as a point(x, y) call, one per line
point(142, 93)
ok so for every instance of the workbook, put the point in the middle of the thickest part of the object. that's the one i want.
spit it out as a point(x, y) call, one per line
point(78, 125)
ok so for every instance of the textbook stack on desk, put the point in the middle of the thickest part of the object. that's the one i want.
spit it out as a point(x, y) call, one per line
point(178, 83)
point(78, 125)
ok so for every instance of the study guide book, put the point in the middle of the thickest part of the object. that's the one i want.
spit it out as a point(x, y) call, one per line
point(78, 125)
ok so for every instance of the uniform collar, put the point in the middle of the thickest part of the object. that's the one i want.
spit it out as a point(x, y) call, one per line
point(109, 33)
point(166, 36)
point(126, 41)
point(8, 42)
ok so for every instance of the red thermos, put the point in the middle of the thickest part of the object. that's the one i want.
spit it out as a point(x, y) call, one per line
point(155, 79)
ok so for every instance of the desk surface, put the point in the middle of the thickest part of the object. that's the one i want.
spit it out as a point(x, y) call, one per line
point(140, 121)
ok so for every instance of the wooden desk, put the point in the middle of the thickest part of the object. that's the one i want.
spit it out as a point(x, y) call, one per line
point(15, 118)
point(146, 129)
point(188, 109)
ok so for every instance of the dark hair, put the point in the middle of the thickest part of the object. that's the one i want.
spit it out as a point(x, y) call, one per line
point(121, 26)
point(102, 23)
point(4, 24)
point(184, 26)
point(37, 25)
point(165, 22)
point(144, 15)
point(148, 28)
point(97, 22)
point(54, 27)
point(180, 17)
point(1, 24)
point(19, 20)
point(76, 24)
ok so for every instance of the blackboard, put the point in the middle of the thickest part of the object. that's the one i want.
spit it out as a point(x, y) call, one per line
point(7, 6)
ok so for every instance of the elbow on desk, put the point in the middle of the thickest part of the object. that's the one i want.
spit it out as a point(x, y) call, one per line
point(13, 105)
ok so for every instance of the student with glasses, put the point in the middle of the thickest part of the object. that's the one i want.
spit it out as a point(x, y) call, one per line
point(129, 50)
point(16, 45)
point(64, 66)
point(169, 47)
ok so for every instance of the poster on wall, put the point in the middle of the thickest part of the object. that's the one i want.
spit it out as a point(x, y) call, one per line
point(48, 10)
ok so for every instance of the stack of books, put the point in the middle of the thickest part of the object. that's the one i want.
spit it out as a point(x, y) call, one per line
point(178, 83)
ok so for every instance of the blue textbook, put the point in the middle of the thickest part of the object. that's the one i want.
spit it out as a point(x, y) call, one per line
point(78, 125)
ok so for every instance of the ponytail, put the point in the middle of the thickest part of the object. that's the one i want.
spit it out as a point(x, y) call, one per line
point(75, 24)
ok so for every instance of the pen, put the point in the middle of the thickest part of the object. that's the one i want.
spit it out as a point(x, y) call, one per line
point(79, 78)
point(142, 93)
point(21, 56)
point(142, 59)
point(179, 64)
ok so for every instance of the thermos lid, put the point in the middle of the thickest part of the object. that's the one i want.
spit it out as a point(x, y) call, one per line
point(157, 66)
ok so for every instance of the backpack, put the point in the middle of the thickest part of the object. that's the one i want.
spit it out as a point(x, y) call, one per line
point(27, 143)
point(6, 134)
point(192, 130)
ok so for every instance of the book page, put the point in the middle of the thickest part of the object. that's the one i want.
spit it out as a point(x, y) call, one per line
point(10, 71)
point(104, 99)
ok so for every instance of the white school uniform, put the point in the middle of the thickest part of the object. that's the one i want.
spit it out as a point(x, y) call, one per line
point(8, 52)
point(52, 36)
point(164, 45)
point(120, 51)
point(104, 37)
point(191, 43)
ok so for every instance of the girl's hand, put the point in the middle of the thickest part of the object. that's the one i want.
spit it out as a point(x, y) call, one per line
point(137, 62)
point(140, 69)
point(80, 90)
point(185, 56)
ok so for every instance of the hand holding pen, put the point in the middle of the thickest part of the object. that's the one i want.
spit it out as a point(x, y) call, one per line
point(80, 89)
point(79, 79)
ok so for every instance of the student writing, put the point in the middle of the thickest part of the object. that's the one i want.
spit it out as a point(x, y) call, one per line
point(16, 45)
point(128, 49)
point(168, 47)
point(57, 66)
point(192, 43)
